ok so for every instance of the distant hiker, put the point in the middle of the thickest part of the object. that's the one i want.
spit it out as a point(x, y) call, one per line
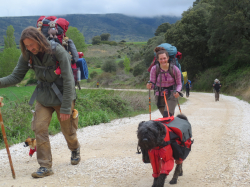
point(217, 86)
point(169, 80)
point(53, 93)
point(188, 87)
point(97, 84)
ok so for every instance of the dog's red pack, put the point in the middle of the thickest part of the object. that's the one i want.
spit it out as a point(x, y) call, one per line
point(180, 133)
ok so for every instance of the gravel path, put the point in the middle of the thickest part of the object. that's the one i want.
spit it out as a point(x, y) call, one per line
point(220, 154)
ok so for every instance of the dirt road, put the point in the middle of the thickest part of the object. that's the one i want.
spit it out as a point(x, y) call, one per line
point(220, 154)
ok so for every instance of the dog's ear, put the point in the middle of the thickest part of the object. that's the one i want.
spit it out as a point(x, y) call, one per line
point(161, 128)
point(32, 139)
point(182, 116)
point(140, 124)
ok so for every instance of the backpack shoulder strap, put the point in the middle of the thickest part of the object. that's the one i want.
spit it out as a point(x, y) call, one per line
point(157, 72)
point(53, 49)
point(171, 70)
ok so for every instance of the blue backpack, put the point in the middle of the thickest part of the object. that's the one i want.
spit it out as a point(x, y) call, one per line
point(82, 64)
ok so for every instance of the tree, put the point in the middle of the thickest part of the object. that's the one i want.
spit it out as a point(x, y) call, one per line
point(8, 60)
point(105, 36)
point(190, 36)
point(109, 66)
point(9, 40)
point(121, 64)
point(162, 28)
point(96, 40)
point(138, 69)
point(196, 2)
point(148, 51)
point(74, 34)
point(126, 64)
point(230, 33)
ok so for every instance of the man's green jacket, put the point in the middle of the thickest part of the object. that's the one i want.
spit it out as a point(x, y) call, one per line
point(46, 96)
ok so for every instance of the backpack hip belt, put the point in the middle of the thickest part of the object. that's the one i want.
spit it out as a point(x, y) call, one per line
point(160, 89)
point(54, 87)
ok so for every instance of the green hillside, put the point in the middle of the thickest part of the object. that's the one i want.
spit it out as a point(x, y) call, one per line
point(121, 27)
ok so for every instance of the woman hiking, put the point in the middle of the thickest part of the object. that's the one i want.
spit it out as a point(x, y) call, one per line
point(165, 77)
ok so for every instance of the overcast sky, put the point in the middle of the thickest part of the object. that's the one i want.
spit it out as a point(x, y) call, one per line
point(140, 8)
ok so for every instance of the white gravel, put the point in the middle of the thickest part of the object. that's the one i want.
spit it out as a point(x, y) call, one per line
point(220, 154)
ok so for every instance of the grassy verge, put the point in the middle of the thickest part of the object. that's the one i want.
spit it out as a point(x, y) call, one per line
point(137, 43)
point(95, 106)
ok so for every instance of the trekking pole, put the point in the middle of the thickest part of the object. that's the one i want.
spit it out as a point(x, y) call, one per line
point(178, 101)
point(179, 105)
point(5, 140)
point(149, 102)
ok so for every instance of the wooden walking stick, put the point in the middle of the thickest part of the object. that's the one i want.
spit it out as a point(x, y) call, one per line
point(5, 140)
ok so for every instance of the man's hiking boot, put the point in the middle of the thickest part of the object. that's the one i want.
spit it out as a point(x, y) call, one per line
point(75, 156)
point(42, 172)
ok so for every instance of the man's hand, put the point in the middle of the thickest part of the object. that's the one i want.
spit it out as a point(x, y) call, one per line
point(64, 116)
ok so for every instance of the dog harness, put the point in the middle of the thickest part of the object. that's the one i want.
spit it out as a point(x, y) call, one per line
point(161, 158)
point(32, 151)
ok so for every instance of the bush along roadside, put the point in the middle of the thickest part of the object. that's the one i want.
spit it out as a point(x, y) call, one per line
point(94, 106)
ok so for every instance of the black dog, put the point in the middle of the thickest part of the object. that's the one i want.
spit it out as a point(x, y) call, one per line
point(151, 136)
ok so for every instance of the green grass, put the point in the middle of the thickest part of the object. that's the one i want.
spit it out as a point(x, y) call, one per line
point(137, 43)
point(15, 94)
point(98, 70)
point(95, 106)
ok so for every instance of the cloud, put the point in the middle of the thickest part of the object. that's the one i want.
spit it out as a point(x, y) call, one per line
point(140, 8)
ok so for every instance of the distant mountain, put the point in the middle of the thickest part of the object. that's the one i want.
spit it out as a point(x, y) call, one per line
point(121, 27)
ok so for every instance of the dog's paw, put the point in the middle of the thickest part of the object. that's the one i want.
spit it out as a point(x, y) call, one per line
point(173, 181)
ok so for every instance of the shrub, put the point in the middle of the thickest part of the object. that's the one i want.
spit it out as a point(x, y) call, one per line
point(136, 57)
point(105, 78)
point(98, 66)
point(96, 40)
point(93, 74)
point(109, 66)
point(121, 64)
point(138, 69)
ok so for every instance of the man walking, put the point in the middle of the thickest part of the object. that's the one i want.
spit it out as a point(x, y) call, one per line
point(53, 93)
point(188, 87)
point(217, 86)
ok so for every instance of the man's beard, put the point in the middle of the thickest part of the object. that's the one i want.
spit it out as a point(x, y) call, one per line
point(36, 51)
